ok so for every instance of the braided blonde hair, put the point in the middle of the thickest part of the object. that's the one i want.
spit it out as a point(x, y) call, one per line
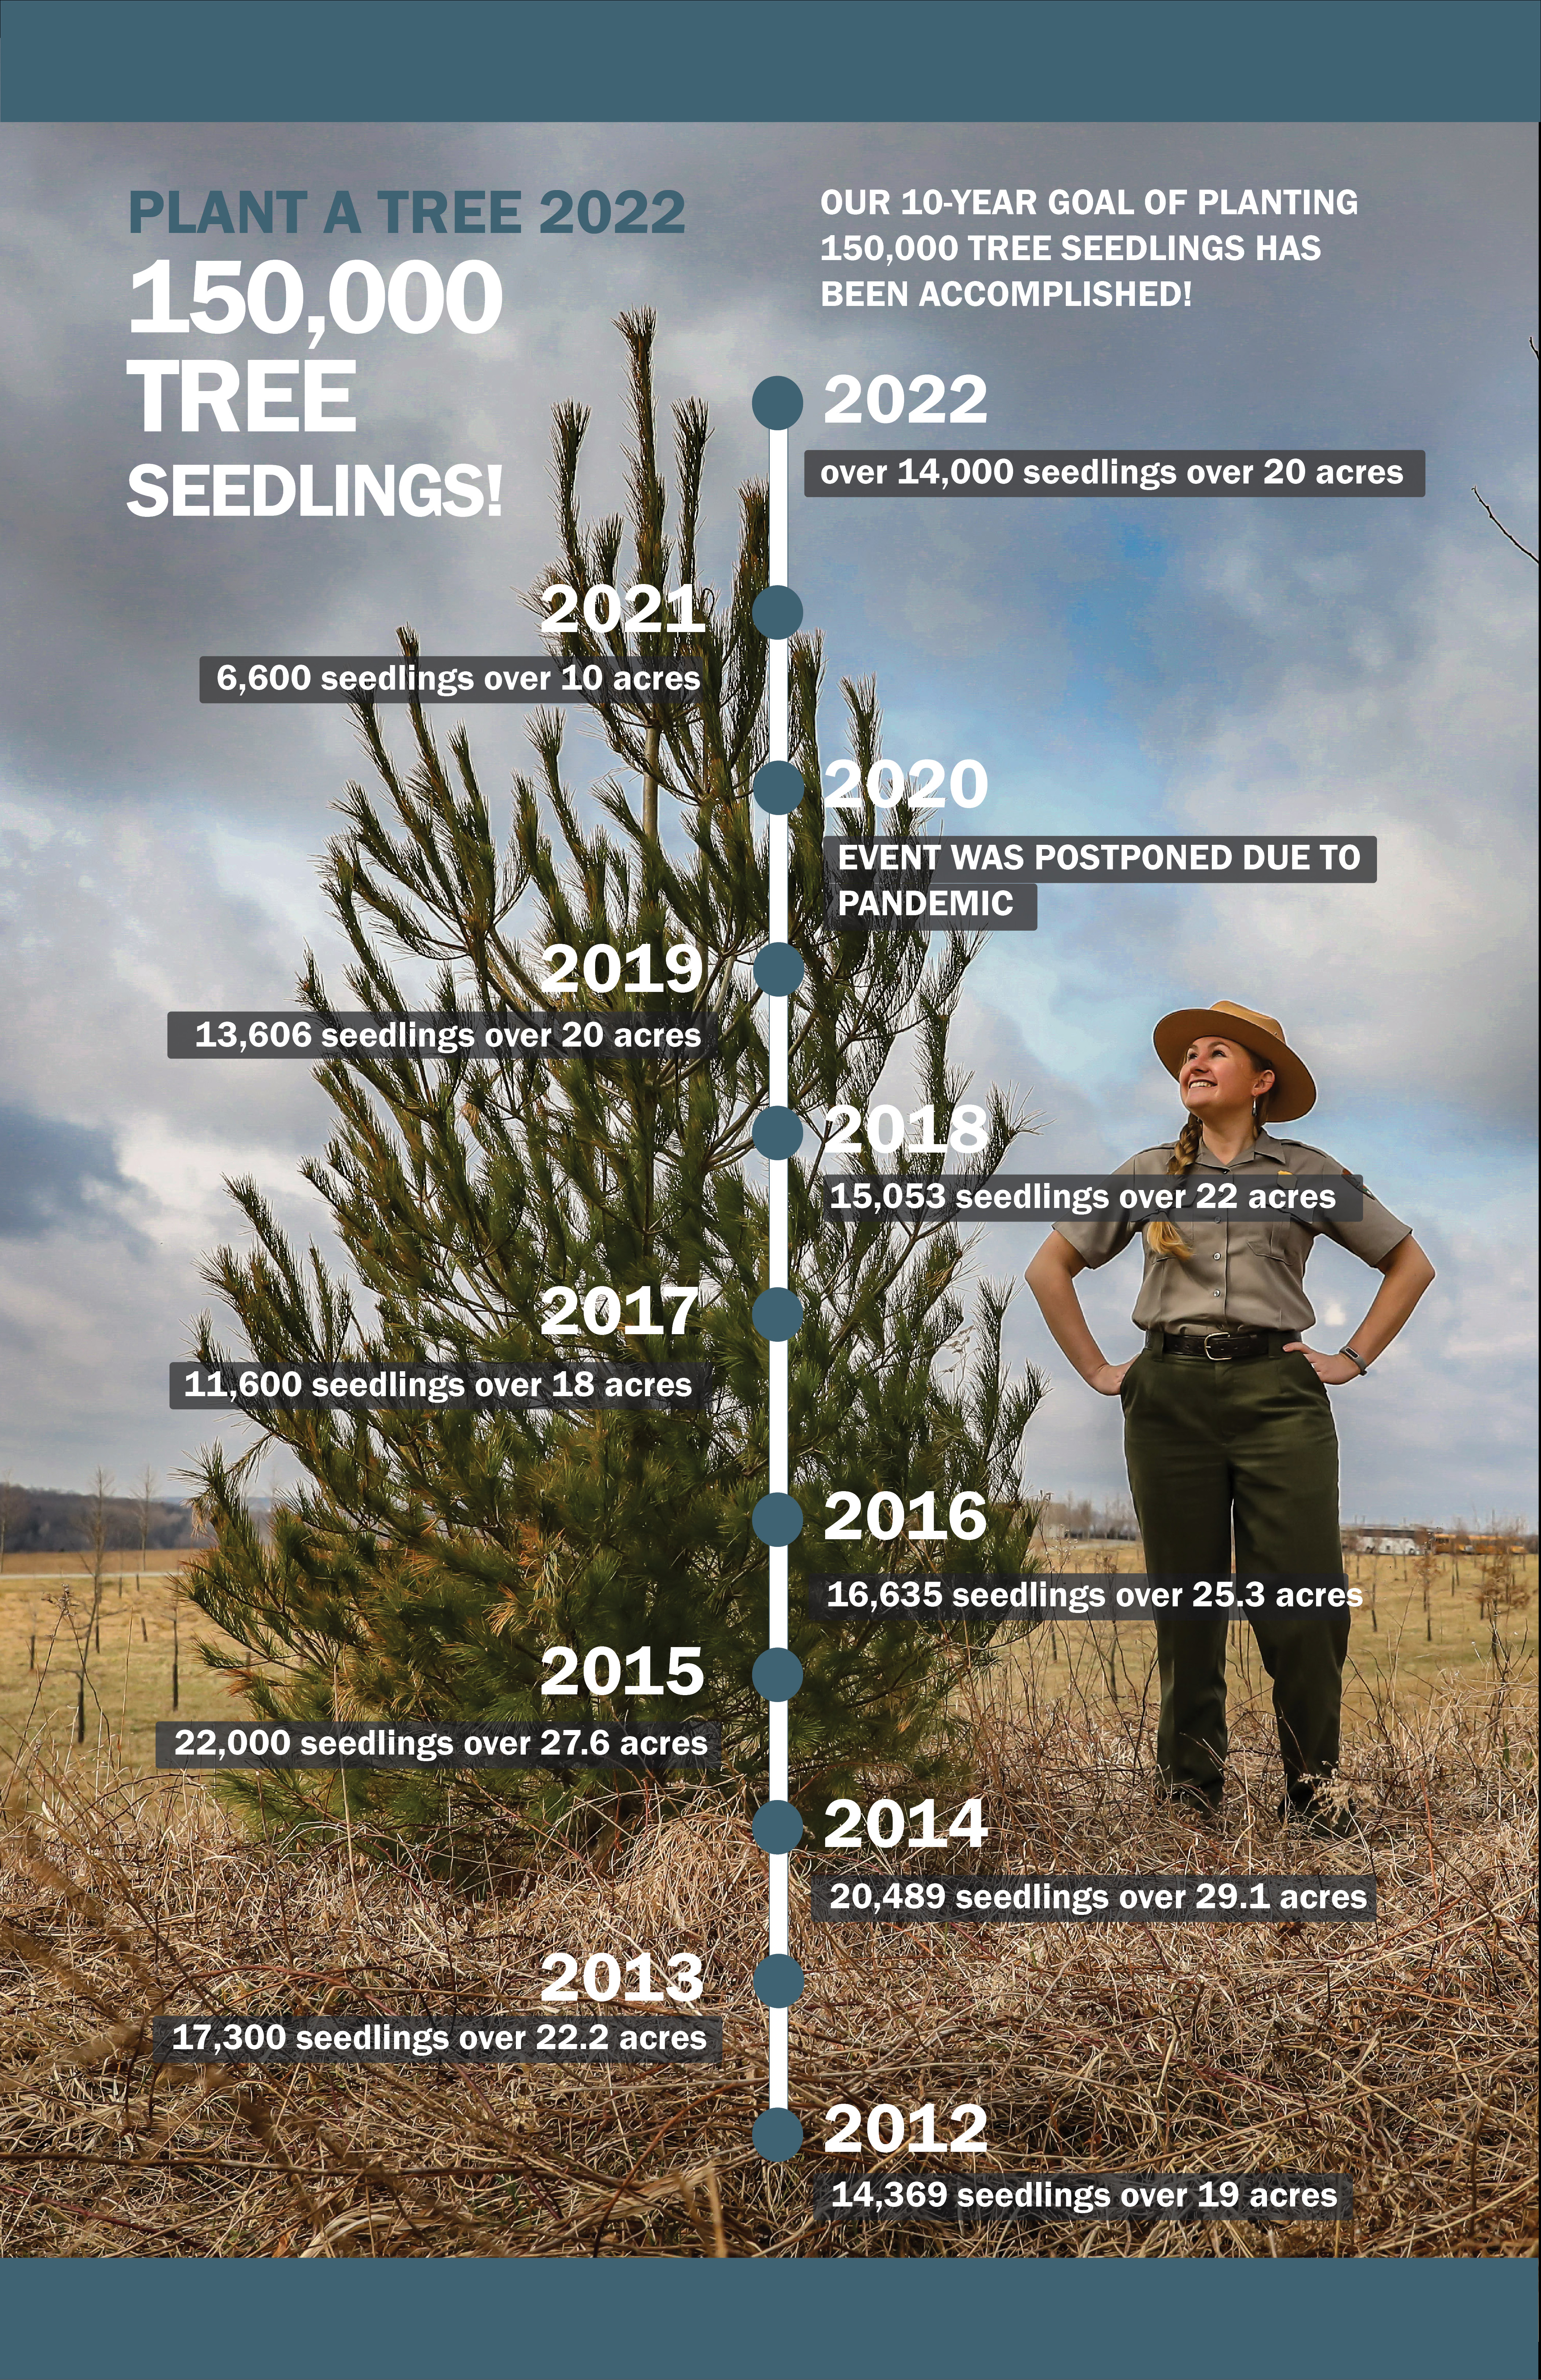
point(1164, 1239)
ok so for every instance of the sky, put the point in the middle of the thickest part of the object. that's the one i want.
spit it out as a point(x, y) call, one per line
point(1234, 668)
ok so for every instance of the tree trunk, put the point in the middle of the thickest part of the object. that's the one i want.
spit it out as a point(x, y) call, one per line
point(649, 788)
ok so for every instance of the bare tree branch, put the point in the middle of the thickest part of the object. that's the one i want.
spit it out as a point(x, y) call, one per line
point(1488, 509)
point(1499, 524)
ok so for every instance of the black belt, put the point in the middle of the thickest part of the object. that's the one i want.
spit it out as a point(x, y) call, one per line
point(1220, 1346)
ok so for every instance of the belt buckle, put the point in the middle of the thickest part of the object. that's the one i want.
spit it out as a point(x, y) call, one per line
point(1217, 1334)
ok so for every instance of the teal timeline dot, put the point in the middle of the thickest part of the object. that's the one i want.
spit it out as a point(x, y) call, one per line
point(778, 1826)
point(777, 1133)
point(778, 1980)
point(777, 1313)
point(777, 1519)
point(778, 787)
point(778, 403)
point(778, 2136)
point(778, 969)
point(777, 1674)
point(777, 613)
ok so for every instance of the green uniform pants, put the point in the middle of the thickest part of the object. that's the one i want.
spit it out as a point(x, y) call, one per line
point(1250, 1449)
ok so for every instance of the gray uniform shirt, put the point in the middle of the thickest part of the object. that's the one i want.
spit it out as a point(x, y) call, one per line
point(1249, 1273)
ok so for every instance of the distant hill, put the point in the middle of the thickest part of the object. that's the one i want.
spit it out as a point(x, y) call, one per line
point(53, 1521)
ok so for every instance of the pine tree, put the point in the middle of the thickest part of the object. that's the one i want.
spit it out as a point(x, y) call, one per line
point(430, 1557)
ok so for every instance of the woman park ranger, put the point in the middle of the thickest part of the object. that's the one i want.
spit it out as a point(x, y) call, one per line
point(1228, 1430)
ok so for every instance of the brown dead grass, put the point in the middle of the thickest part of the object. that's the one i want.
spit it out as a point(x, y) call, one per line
point(1399, 2054)
point(1396, 1642)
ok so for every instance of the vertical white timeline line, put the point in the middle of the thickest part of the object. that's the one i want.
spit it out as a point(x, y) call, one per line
point(778, 847)
point(778, 521)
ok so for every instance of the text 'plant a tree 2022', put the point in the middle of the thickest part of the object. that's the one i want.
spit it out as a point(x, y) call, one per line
point(429, 1559)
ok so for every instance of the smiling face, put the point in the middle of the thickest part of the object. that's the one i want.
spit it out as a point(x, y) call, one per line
point(1221, 1078)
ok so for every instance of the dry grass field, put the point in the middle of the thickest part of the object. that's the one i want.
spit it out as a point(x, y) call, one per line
point(1399, 2054)
point(144, 1626)
point(1397, 1644)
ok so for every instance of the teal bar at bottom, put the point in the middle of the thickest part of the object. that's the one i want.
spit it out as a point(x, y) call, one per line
point(836, 2318)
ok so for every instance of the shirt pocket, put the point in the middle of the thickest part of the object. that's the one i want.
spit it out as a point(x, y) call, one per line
point(1273, 1239)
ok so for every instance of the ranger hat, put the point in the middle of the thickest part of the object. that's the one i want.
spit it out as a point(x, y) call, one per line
point(1293, 1091)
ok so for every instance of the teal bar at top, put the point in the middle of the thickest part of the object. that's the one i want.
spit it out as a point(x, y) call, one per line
point(771, 61)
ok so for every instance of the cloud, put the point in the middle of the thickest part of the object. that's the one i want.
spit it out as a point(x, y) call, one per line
point(1423, 731)
point(54, 1173)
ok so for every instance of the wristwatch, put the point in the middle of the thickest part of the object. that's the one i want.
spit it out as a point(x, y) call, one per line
point(1356, 1357)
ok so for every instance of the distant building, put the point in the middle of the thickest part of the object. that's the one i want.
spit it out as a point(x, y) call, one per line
point(1389, 1538)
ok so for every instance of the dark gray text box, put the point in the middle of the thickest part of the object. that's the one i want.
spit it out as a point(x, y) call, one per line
point(644, 2037)
point(922, 2193)
point(454, 677)
point(1133, 473)
point(1315, 1200)
point(664, 1742)
point(866, 1899)
point(546, 1035)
